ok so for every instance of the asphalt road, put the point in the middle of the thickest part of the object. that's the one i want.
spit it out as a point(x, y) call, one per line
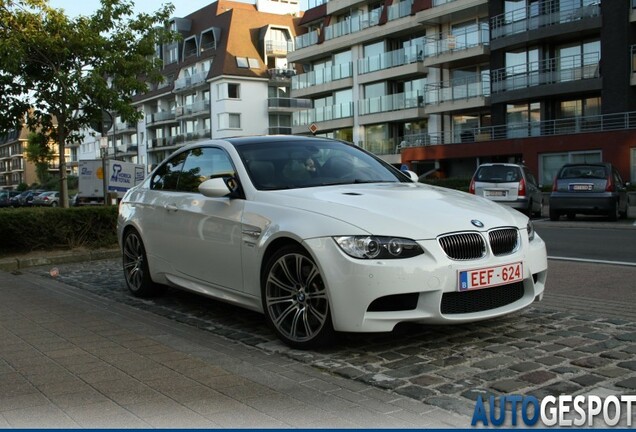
point(592, 240)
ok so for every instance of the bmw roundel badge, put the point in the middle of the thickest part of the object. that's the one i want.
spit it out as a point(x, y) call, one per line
point(477, 223)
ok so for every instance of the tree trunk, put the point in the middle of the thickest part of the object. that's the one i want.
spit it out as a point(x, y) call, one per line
point(61, 142)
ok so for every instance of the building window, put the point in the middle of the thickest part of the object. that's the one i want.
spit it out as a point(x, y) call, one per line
point(242, 62)
point(229, 121)
point(229, 91)
point(523, 120)
point(549, 164)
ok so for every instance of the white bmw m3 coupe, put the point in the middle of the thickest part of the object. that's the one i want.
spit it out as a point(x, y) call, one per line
point(321, 236)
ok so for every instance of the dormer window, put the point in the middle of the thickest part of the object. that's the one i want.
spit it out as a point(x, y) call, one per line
point(210, 38)
point(190, 47)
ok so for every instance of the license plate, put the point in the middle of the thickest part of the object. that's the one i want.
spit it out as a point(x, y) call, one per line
point(581, 187)
point(490, 276)
point(495, 193)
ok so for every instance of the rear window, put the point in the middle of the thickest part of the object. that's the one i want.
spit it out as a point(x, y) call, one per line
point(498, 174)
point(583, 171)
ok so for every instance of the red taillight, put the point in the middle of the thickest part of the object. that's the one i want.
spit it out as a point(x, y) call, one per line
point(610, 184)
point(471, 188)
point(554, 184)
point(522, 187)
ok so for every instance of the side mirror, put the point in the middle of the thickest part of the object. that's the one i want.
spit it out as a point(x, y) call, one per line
point(214, 188)
point(410, 174)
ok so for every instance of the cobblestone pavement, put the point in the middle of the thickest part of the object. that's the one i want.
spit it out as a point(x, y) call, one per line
point(542, 350)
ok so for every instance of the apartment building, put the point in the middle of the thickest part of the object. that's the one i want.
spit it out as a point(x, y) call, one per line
point(443, 85)
point(15, 169)
point(227, 76)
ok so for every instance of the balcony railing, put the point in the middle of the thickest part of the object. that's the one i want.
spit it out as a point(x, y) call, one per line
point(322, 76)
point(399, 10)
point(322, 114)
point(353, 24)
point(307, 39)
point(161, 116)
point(277, 47)
point(394, 102)
point(457, 41)
point(288, 103)
point(567, 126)
point(190, 81)
point(390, 59)
point(550, 71)
point(178, 139)
point(198, 107)
point(540, 14)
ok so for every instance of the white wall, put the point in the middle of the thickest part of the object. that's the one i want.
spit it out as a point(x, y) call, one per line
point(251, 105)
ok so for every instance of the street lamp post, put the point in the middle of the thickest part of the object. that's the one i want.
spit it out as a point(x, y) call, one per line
point(103, 149)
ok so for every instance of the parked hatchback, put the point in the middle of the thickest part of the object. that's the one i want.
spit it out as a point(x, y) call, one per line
point(588, 188)
point(509, 184)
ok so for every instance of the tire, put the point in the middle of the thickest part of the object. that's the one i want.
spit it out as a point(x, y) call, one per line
point(295, 299)
point(614, 214)
point(554, 215)
point(135, 265)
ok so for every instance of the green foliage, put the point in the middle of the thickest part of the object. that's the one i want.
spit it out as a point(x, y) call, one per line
point(60, 73)
point(38, 151)
point(461, 184)
point(22, 187)
point(28, 229)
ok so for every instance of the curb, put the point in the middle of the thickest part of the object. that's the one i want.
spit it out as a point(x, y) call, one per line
point(57, 257)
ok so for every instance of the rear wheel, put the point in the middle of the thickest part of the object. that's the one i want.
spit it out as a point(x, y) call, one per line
point(295, 299)
point(614, 214)
point(135, 266)
point(554, 215)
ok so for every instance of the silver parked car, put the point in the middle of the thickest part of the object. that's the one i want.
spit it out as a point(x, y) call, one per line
point(48, 199)
point(588, 188)
point(509, 184)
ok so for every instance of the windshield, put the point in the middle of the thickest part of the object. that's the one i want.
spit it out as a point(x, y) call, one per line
point(498, 174)
point(289, 165)
point(583, 171)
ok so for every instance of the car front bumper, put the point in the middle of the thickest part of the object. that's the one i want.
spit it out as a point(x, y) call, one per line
point(415, 288)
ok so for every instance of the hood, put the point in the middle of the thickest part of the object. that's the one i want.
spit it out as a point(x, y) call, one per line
point(410, 210)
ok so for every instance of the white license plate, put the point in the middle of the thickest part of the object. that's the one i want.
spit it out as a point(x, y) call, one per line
point(490, 276)
point(581, 187)
point(495, 193)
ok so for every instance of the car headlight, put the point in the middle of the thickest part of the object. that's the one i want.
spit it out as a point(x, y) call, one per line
point(530, 229)
point(373, 247)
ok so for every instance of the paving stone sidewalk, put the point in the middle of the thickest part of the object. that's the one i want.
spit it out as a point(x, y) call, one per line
point(542, 350)
point(71, 358)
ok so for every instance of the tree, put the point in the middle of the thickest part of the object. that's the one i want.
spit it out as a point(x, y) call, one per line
point(39, 152)
point(57, 73)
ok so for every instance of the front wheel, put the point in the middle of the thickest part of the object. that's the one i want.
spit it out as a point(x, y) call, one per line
point(135, 266)
point(295, 299)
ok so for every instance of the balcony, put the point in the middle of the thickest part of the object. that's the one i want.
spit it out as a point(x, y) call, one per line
point(177, 140)
point(282, 75)
point(194, 109)
point(567, 126)
point(287, 104)
point(454, 47)
point(452, 11)
point(277, 48)
point(322, 114)
point(538, 15)
point(546, 72)
point(391, 59)
point(161, 116)
point(307, 39)
point(190, 82)
point(323, 80)
point(353, 24)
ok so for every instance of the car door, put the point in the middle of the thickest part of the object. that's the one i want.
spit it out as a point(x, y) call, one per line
point(209, 229)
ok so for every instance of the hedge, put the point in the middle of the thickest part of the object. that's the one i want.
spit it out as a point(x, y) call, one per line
point(29, 229)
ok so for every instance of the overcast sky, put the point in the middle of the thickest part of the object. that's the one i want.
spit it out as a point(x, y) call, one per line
point(182, 7)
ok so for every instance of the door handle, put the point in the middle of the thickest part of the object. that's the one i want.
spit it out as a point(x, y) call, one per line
point(171, 207)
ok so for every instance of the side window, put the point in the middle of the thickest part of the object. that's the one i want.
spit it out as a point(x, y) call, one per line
point(202, 164)
point(618, 179)
point(530, 178)
point(167, 176)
